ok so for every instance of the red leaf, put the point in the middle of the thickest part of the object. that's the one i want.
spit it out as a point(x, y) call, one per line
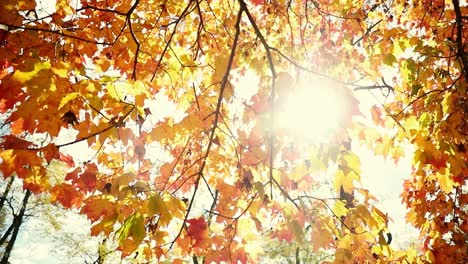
point(12, 142)
point(73, 175)
point(438, 163)
point(197, 229)
point(50, 151)
point(89, 180)
point(67, 159)
point(257, 2)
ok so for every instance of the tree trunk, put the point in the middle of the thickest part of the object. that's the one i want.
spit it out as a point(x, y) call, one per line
point(5, 193)
point(8, 232)
point(17, 221)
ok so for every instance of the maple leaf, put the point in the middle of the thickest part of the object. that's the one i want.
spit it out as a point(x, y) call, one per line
point(198, 230)
point(97, 207)
point(89, 180)
point(67, 195)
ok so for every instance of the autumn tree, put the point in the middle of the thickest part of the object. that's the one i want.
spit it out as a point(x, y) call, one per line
point(204, 180)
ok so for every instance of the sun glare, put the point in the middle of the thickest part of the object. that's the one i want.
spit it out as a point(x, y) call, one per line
point(312, 111)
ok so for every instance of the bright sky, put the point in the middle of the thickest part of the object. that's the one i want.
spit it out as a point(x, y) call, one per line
point(314, 111)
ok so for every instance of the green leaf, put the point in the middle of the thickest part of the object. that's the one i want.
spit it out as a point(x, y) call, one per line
point(124, 231)
point(138, 230)
point(410, 65)
point(133, 226)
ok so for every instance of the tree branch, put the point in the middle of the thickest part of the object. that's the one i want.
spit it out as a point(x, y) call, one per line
point(259, 34)
point(215, 122)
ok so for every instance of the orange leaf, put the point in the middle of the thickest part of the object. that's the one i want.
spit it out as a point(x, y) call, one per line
point(97, 207)
point(67, 195)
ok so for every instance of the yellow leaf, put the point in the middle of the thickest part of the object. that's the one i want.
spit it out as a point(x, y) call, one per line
point(138, 227)
point(298, 172)
point(411, 124)
point(69, 97)
point(352, 176)
point(315, 163)
point(61, 72)
point(445, 183)
point(175, 206)
point(228, 92)
point(340, 208)
point(343, 255)
point(382, 239)
point(339, 178)
point(389, 59)
point(353, 162)
point(26, 76)
point(155, 205)
point(247, 229)
point(345, 181)
point(133, 226)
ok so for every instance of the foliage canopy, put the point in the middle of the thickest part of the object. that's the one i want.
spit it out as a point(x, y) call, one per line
point(98, 69)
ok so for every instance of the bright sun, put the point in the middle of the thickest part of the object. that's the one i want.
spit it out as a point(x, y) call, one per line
point(313, 110)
